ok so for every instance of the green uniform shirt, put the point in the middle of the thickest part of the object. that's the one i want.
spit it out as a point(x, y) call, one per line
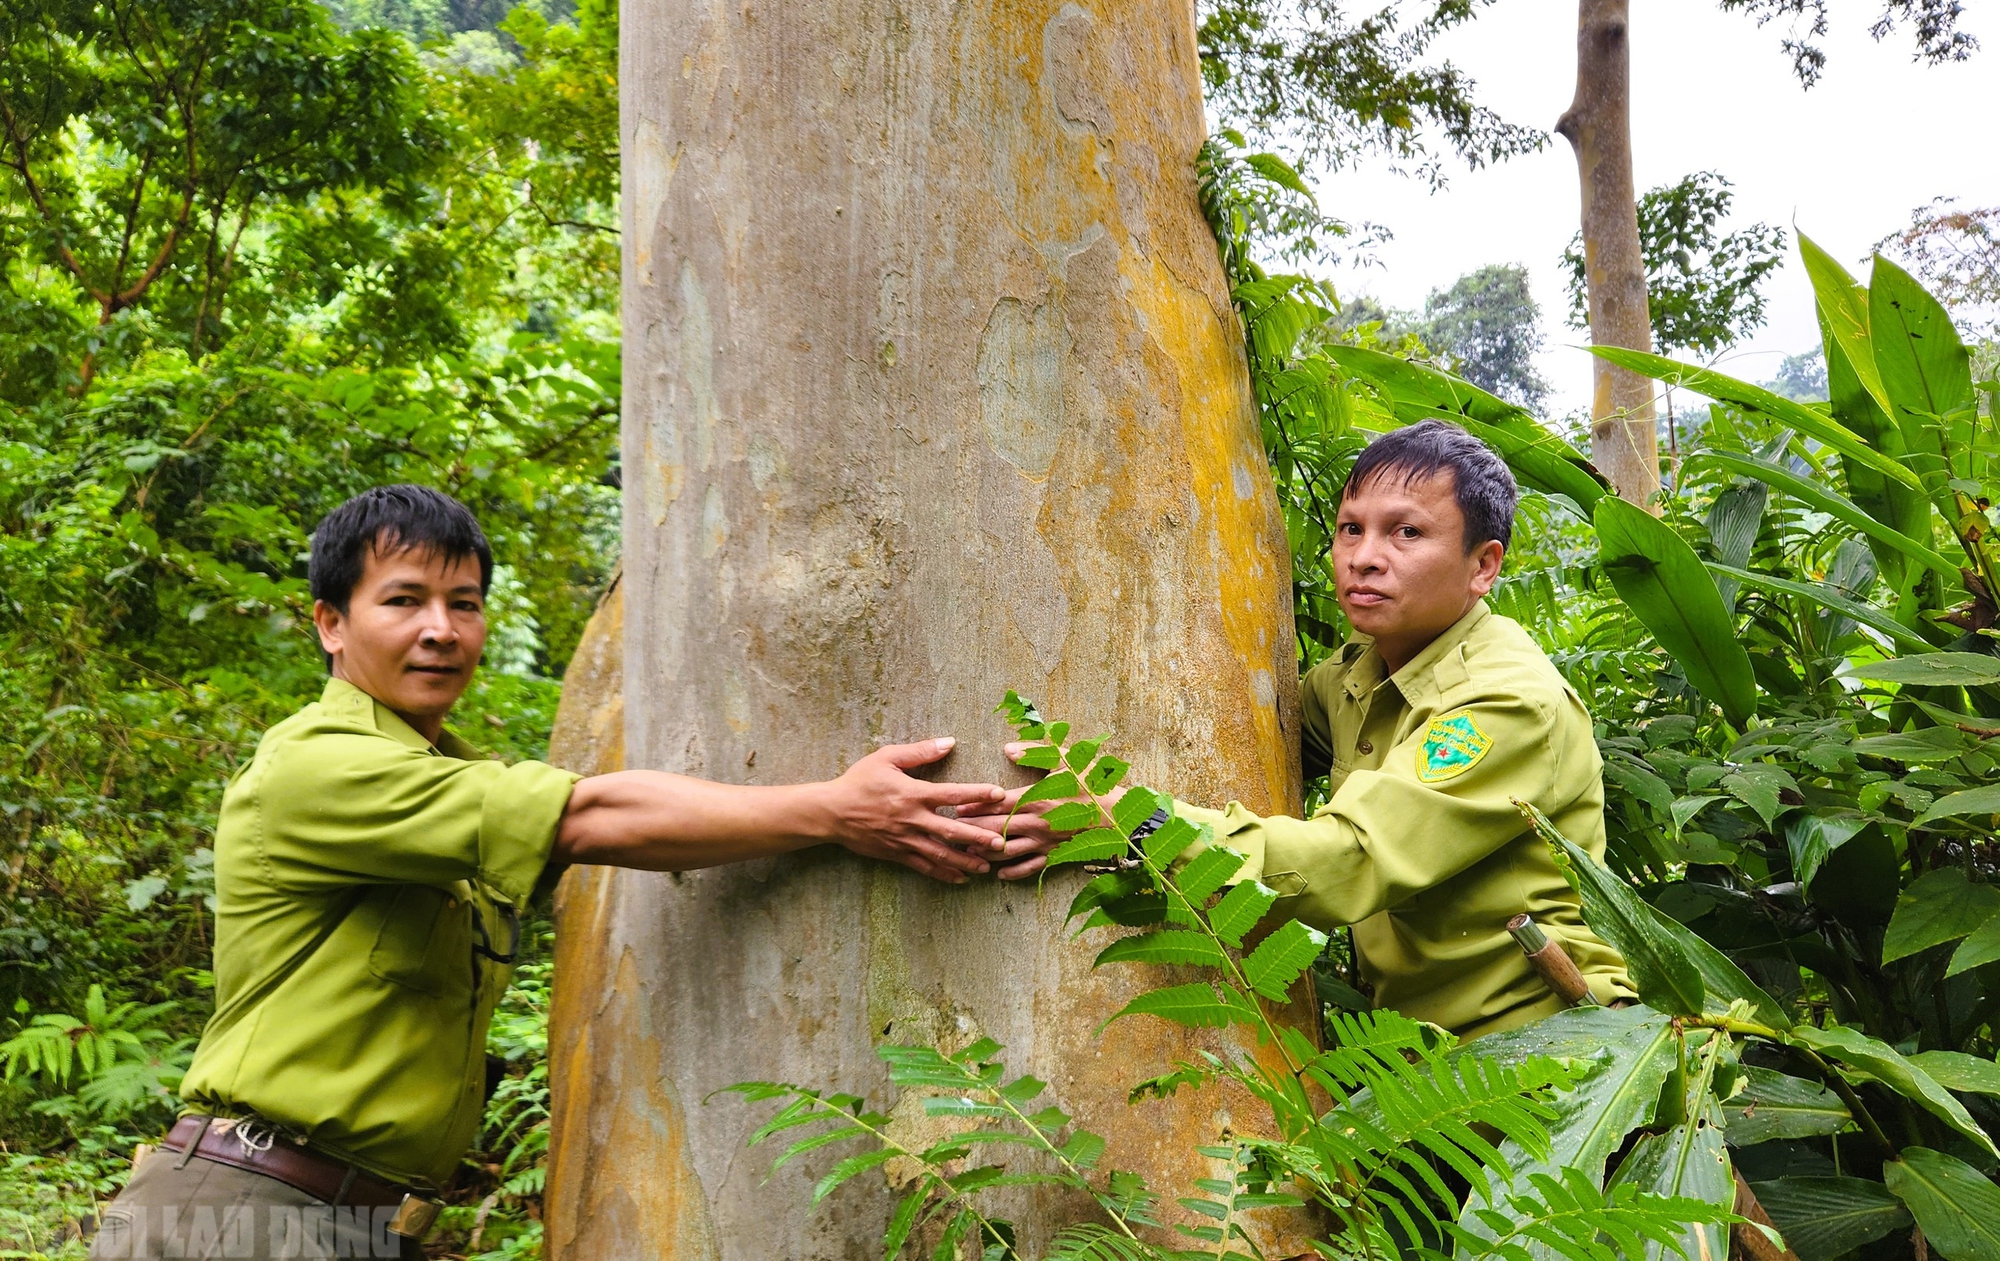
point(1420, 846)
point(355, 868)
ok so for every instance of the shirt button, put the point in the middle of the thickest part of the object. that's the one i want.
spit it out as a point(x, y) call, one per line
point(1365, 747)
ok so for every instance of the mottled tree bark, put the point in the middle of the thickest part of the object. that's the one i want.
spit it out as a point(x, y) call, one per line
point(1598, 125)
point(932, 388)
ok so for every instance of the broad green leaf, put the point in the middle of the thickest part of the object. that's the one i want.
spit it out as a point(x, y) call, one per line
point(1081, 753)
point(1040, 757)
point(1282, 958)
point(1836, 506)
point(1112, 886)
point(1541, 459)
point(1955, 1070)
point(1812, 838)
point(1415, 391)
point(1576, 1033)
point(1684, 809)
point(848, 1168)
point(1820, 593)
point(1060, 786)
point(1858, 1050)
point(1136, 806)
point(1824, 1218)
point(1595, 1115)
point(1541, 462)
point(1093, 846)
point(1926, 372)
point(1980, 947)
point(1957, 1206)
point(1643, 784)
point(1939, 906)
point(1278, 171)
point(1197, 1005)
point(1667, 978)
point(1240, 910)
point(1774, 1105)
point(961, 1226)
point(1106, 773)
point(905, 1219)
point(1972, 801)
point(1207, 872)
point(1758, 787)
point(1163, 846)
point(1173, 945)
point(1843, 309)
point(1893, 503)
point(1661, 579)
point(1687, 1161)
point(1073, 816)
point(1937, 669)
point(1926, 744)
point(1083, 1148)
point(1757, 399)
point(1674, 968)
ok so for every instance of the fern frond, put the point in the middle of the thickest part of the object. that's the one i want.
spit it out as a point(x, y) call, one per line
point(1568, 1216)
point(1091, 1242)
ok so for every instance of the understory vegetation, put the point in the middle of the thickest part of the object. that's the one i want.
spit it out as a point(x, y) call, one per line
point(251, 263)
point(250, 266)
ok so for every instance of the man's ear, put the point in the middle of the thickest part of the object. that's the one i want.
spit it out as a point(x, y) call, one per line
point(1488, 555)
point(332, 626)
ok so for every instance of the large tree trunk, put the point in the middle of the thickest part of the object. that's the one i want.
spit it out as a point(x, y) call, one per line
point(932, 388)
point(1625, 442)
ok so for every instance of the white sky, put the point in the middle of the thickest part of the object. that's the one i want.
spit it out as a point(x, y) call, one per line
point(1846, 161)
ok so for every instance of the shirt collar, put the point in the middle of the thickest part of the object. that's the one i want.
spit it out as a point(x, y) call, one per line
point(342, 697)
point(1366, 672)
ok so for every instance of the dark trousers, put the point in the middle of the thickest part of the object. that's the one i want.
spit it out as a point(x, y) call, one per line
point(196, 1208)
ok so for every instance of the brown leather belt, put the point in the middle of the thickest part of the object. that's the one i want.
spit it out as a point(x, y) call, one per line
point(302, 1169)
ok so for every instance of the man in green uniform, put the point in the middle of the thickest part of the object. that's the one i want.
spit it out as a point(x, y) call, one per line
point(1429, 723)
point(370, 870)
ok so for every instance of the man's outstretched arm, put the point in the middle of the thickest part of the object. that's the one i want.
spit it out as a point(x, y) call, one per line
point(662, 822)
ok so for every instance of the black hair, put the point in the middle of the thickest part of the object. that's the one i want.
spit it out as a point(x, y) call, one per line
point(391, 519)
point(1482, 481)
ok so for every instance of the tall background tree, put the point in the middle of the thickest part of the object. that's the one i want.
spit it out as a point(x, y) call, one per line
point(1489, 324)
point(1704, 285)
point(1598, 125)
point(1020, 363)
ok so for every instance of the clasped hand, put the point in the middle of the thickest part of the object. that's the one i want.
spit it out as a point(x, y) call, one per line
point(883, 812)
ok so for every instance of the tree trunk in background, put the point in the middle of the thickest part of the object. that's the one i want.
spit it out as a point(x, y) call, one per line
point(932, 388)
point(1625, 443)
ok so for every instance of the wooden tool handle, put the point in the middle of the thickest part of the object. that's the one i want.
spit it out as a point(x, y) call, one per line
point(1551, 962)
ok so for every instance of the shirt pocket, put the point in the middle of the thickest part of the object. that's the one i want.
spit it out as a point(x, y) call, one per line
point(414, 946)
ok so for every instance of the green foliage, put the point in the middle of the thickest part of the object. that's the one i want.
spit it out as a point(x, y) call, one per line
point(1344, 84)
point(251, 263)
point(1489, 323)
point(1703, 286)
point(1419, 1128)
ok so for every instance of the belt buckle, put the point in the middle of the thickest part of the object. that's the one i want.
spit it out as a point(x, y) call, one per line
point(414, 1217)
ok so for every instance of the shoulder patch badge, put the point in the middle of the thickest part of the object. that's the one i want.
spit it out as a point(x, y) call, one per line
point(1452, 746)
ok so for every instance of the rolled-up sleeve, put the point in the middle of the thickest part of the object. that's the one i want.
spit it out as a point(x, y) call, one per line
point(1391, 833)
point(354, 809)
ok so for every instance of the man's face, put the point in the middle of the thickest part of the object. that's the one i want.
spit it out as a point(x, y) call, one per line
point(1400, 560)
point(413, 631)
